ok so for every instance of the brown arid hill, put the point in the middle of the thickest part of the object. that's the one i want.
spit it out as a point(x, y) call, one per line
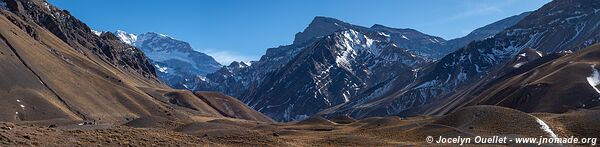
point(55, 70)
point(231, 107)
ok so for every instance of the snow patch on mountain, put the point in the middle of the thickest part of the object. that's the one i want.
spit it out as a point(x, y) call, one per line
point(126, 37)
point(203, 78)
point(47, 6)
point(406, 37)
point(546, 128)
point(352, 43)
point(384, 34)
point(519, 64)
point(97, 33)
point(161, 69)
point(594, 79)
point(539, 53)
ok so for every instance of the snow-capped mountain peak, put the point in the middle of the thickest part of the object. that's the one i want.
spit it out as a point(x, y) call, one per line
point(126, 37)
point(177, 63)
point(97, 33)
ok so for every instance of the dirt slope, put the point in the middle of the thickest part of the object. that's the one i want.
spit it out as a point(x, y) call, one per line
point(54, 69)
point(231, 107)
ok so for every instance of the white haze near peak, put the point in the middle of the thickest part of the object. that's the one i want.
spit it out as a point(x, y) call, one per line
point(226, 57)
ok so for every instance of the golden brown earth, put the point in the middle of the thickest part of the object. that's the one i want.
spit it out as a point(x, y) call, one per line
point(316, 131)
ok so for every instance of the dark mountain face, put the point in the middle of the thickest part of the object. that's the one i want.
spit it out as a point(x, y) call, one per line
point(177, 63)
point(557, 26)
point(329, 72)
point(298, 80)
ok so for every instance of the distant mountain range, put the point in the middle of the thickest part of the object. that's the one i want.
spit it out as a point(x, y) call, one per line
point(333, 62)
point(335, 68)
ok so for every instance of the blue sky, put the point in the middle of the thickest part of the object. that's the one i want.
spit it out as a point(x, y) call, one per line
point(243, 29)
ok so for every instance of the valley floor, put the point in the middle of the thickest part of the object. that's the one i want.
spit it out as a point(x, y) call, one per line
point(341, 131)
